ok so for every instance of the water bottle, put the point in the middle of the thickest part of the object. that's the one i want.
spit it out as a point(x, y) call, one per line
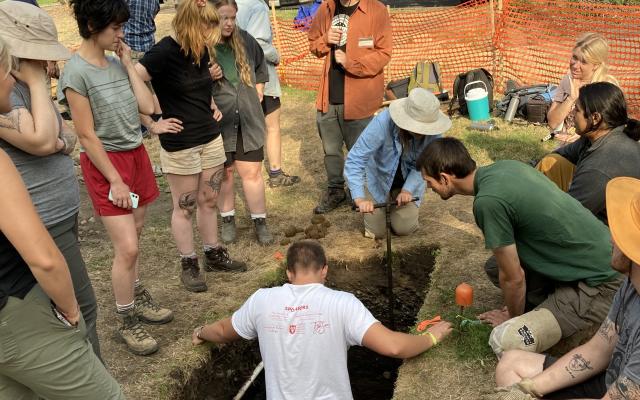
point(513, 107)
point(483, 126)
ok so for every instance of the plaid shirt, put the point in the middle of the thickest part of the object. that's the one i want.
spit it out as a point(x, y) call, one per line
point(140, 29)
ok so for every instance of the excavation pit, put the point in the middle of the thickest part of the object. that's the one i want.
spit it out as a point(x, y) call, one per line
point(372, 376)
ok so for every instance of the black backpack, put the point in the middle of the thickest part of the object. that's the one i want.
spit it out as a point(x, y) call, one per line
point(461, 80)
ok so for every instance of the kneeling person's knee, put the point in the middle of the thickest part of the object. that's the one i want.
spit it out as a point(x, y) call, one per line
point(535, 331)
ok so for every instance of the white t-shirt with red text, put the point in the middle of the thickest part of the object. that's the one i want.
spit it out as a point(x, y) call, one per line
point(304, 333)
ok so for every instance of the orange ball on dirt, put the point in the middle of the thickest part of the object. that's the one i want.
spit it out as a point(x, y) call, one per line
point(464, 295)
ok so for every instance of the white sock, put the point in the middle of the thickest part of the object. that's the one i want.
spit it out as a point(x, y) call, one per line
point(254, 216)
point(124, 308)
point(192, 255)
point(208, 247)
point(228, 213)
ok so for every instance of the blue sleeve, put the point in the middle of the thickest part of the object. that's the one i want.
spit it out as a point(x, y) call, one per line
point(259, 26)
point(369, 141)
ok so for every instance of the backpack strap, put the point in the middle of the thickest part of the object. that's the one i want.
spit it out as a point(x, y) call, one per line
point(436, 74)
point(454, 96)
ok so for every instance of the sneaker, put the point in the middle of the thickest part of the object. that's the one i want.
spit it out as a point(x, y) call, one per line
point(331, 200)
point(262, 233)
point(219, 260)
point(228, 229)
point(282, 179)
point(149, 311)
point(133, 334)
point(191, 277)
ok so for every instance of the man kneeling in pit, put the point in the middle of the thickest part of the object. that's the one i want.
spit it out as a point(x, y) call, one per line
point(305, 330)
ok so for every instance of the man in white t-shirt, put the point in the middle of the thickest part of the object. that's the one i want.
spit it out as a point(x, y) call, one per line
point(305, 330)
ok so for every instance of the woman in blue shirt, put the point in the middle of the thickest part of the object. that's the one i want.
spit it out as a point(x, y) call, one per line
point(386, 153)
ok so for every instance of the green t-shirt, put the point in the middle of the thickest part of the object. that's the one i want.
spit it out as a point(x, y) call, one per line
point(227, 60)
point(553, 233)
point(113, 105)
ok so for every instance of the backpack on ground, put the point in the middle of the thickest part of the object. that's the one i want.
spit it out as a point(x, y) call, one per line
point(459, 83)
point(426, 74)
point(534, 102)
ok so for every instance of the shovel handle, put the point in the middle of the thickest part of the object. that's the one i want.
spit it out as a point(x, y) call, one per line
point(382, 205)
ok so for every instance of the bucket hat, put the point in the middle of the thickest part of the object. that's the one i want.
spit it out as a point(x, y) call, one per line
point(30, 32)
point(623, 212)
point(419, 113)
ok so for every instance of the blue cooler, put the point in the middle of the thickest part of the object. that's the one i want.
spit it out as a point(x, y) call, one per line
point(477, 101)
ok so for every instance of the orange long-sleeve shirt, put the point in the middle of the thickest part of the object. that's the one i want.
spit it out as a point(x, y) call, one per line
point(364, 68)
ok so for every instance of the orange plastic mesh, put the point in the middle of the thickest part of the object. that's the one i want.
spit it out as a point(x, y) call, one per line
point(529, 41)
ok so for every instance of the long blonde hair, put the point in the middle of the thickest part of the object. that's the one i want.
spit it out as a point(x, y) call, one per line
point(188, 26)
point(595, 50)
point(6, 60)
point(237, 45)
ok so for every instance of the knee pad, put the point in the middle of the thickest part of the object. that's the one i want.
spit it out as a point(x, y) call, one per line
point(535, 331)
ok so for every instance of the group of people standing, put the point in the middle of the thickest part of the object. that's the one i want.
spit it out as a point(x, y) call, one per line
point(210, 92)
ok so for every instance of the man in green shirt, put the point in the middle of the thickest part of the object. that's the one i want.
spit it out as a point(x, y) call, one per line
point(551, 256)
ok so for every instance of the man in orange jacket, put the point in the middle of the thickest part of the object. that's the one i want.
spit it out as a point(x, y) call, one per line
point(354, 38)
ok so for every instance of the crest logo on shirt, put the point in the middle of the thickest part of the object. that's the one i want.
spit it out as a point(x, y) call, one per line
point(292, 329)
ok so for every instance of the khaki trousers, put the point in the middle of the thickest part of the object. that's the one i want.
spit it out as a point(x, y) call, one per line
point(404, 220)
point(558, 169)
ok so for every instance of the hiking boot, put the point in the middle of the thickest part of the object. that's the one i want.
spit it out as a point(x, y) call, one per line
point(133, 334)
point(219, 260)
point(282, 179)
point(149, 311)
point(228, 229)
point(191, 277)
point(331, 200)
point(262, 233)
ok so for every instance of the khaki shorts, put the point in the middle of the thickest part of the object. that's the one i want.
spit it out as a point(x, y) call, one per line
point(194, 160)
point(579, 306)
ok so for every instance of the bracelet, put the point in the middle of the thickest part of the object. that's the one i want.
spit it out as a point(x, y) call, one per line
point(433, 338)
point(200, 328)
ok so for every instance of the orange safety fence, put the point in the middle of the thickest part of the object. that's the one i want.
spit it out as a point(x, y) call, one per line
point(529, 41)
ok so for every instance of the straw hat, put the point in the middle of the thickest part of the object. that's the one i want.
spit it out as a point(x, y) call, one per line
point(419, 113)
point(623, 211)
point(30, 32)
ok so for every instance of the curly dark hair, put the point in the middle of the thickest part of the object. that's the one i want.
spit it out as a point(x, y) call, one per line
point(94, 16)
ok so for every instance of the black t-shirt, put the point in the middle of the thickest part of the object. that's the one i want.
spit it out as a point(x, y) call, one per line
point(16, 278)
point(184, 92)
point(336, 72)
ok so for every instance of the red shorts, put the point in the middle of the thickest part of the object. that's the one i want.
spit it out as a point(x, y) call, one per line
point(135, 170)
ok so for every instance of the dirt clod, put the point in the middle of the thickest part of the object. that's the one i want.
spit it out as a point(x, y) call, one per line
point(291, 231)
point(318, 219)
point(285, 242)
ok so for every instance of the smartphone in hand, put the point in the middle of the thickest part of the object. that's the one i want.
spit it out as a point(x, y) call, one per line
point(134, 199)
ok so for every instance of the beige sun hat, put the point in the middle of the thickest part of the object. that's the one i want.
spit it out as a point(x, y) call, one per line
point(30, 32)
point(419, 113)
point(623, 213)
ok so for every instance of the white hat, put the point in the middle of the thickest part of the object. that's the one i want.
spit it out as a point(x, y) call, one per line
point(419, 113)
point(30, 32)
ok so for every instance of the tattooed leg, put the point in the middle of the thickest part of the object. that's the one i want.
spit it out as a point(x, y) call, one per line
point(188, 203)
point(624, 389)
point(215, 181)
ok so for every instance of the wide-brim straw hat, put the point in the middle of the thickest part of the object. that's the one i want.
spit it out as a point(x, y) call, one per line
point(30, 32)
point(623, 212)
point(419, 113)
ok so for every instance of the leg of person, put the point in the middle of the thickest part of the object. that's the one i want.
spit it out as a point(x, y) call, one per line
point(212, 183)
point(351, 130)
point(40, 357)
point(538, 287)
point(253, 186)
point(227, 202)
point(65, 235)
point(273, 144)
point(184, 193)
point(515, 365)
point(375, 223)
point(330, 129)
point(579, 306)
point(404, 220)
point(558, 169)
point(124, 237)
point(148, 310)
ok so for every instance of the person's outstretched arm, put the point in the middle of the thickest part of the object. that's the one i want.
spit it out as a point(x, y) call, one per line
point(219, 332)
point(389, 343)
point(32, 241)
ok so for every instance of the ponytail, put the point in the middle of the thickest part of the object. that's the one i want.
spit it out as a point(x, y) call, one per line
point(632, 129)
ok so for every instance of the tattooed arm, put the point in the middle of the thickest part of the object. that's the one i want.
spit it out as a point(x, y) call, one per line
point(581, 363)
point(623, 389)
